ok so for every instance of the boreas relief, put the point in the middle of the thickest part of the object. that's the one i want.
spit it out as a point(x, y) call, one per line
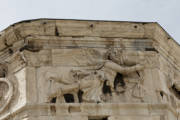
point(6, 93)
point(105, 82)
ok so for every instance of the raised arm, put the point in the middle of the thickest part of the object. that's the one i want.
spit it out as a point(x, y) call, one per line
point(122, 69)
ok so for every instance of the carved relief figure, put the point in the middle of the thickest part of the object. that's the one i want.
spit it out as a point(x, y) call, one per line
point(128, 67)
point(91, 82)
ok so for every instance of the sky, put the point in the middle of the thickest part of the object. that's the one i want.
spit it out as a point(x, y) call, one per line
point(165, 12)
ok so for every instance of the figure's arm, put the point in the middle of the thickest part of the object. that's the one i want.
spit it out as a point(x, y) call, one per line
point(122, 69)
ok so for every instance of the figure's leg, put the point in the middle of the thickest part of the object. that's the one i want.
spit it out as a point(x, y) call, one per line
point(76, 99)
point(60, 99)
point(58, 96)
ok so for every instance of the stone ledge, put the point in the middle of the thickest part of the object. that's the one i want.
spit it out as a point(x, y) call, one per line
point(93, 109)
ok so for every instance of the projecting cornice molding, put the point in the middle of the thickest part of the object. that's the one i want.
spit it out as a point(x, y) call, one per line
point(35, 34)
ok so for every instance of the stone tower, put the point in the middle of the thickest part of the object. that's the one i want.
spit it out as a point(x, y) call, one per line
point(88, 70)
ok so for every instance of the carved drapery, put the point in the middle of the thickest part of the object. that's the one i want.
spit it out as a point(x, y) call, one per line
point(6, 93)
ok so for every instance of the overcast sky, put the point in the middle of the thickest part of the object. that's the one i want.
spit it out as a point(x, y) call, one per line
point(165, 12)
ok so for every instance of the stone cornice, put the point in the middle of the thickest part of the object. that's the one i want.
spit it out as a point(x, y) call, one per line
point(17, 35)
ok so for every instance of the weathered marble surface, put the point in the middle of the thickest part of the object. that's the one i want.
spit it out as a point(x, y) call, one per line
point(88, 70)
